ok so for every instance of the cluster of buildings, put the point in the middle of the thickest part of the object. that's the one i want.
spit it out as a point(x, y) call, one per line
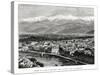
point(29, 62)
point(81, 45)
point(85, 46)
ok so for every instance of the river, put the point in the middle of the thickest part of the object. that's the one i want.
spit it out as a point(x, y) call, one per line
point(50, 60)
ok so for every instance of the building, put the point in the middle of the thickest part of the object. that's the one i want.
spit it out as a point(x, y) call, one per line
point(55, 49)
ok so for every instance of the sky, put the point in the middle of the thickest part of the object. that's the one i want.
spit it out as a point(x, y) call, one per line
point(26, 11)
point(46, 18)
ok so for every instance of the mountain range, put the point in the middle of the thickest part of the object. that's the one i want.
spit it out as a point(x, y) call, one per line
point(57, 25)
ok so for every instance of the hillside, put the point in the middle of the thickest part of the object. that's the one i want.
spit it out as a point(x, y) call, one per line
point(56, 26)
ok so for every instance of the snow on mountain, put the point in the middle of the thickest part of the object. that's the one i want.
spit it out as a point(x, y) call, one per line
point(56, 24)
point(57, 17)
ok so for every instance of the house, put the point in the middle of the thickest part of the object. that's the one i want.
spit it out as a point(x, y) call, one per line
point(55, 49)
point(33, 43)
point(25, 48)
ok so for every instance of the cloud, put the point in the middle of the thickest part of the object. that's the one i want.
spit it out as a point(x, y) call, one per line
point(56, 17)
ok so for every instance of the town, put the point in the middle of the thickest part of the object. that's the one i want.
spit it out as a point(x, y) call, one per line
point(78, 49)
point(81, 45)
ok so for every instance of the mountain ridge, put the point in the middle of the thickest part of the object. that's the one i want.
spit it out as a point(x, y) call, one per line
point(56, 26)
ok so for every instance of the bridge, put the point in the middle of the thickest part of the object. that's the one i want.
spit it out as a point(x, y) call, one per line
point(52, 54)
